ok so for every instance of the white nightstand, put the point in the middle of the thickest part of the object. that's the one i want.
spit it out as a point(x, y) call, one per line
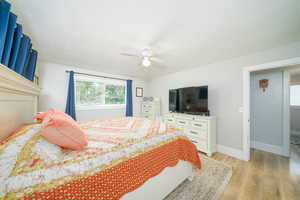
point(151, 109)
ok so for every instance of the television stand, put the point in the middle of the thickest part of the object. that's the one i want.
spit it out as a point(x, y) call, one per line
point(201, 130)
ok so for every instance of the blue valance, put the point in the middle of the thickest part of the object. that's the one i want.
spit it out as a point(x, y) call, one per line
point(4, 16)
point(22, 55)
point(9, 38)
point(31, 65)
point(15, 47)
point(27, 61)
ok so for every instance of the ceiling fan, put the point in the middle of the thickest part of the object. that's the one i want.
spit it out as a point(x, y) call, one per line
point(146, 56)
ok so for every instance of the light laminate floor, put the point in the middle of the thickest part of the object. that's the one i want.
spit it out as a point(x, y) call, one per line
point(266, 176)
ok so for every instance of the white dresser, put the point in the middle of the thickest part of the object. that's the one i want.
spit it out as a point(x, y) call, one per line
point(151, 109)
point(200, 129)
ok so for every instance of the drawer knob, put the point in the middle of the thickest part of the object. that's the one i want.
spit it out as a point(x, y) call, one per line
point(193, 132)
point(198, 125)
point(194, 141)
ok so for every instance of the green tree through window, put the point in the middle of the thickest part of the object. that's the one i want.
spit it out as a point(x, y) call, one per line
point(98, 93)
point(114, 94)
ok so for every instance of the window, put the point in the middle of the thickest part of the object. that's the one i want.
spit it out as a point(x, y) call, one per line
point(93, 93)
point(295, 95)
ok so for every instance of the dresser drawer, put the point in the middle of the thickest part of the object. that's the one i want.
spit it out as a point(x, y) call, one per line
point(182, 122)
point(199, 124)
point(200, 144)
point(201, 133)
point(170, 120)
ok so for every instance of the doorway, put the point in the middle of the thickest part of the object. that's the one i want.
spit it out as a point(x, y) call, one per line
point(269, 111)
point(246, 99)
point(295, 109)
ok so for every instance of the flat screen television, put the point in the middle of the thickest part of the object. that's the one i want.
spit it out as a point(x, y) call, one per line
point(190, 100)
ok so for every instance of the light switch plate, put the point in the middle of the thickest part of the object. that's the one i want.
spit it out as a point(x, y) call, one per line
point(241, 109)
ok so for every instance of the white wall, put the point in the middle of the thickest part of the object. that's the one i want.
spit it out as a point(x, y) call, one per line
point(224, 80)
point(54, 84)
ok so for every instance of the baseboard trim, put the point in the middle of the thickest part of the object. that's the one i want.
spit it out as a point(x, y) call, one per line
point(237, 153)
point(267, 147)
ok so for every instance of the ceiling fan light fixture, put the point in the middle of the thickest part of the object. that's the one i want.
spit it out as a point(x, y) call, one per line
point(147, 52)
point(146, 62)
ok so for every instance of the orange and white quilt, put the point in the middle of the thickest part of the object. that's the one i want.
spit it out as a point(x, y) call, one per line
point(121, 155)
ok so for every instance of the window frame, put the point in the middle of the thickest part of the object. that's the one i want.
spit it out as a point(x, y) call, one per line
point(101, 80)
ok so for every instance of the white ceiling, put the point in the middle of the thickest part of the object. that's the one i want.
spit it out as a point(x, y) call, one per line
point(184, 34)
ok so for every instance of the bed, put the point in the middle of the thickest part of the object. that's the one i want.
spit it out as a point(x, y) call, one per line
point(127, 158)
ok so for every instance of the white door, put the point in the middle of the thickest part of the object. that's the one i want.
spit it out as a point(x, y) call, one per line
point(267, 112)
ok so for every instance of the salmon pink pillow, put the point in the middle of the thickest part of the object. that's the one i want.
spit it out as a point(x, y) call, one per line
point(59, 128)
point(42, 115)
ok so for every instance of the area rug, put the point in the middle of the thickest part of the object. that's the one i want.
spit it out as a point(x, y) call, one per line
point(208, 183)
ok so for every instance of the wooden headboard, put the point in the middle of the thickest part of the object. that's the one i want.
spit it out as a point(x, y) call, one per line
point(18, 101)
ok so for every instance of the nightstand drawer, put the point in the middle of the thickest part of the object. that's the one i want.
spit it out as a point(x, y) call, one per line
point(201, 133)
point(199, 124)
point(147, 106)
point(147, 111)
point(150, 106)
point(147, 116)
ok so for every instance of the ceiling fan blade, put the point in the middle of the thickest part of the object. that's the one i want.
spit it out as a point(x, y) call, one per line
point(129, 54)
point(161, 36)
point(156, 59)
point(141, 68)
point(145, 69)
point(158, 66)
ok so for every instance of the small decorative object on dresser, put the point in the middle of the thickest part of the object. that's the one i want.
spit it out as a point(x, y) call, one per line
point(150, 108)
point(200, 129)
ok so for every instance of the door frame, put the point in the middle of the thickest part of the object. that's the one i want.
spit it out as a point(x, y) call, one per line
point(246, 102)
